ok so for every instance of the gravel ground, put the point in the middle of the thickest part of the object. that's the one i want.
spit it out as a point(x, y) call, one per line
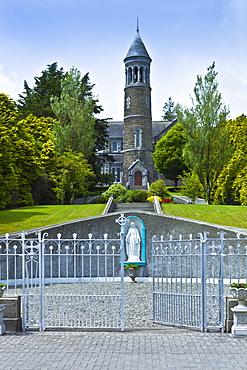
point(95, 305)
point(138, 305)
point(137, 302)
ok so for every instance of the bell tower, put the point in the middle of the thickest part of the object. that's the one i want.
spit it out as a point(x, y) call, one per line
point(138, 168)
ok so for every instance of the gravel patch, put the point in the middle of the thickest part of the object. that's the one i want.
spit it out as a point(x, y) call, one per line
point(138, 309)
point(137, 303)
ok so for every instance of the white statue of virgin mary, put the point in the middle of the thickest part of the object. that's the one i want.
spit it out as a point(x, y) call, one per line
point(133, 243)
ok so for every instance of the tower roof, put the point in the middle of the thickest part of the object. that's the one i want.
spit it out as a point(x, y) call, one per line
point(137, 48)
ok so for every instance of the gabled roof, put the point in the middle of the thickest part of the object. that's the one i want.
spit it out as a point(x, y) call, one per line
point(138, 163)
point(159, 128)
point(115, 129)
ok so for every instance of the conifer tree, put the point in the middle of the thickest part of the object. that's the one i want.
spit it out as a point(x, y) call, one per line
point(36, 100)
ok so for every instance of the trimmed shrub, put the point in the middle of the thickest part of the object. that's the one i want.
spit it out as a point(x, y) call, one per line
point(124, 198)
point(138, 196)
point(100, 200)
point(158, 188)
point(192, 187)
point(116, 190)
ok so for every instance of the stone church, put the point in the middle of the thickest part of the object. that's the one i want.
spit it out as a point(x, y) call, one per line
point(132, 141)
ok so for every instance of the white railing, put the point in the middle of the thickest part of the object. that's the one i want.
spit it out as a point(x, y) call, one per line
point(65, 282)
point(191, 279)
point(157, 206)
point(109, 205)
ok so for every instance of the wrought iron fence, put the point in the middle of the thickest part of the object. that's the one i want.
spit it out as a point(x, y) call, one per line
point(191, 278)
point(65, 282)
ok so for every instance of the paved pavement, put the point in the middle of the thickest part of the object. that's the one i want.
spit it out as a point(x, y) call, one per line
point(165, 348)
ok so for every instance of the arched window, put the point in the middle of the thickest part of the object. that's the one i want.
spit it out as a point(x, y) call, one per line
point(118, 174)
point(138, 138)
point(147, 75)
point(141, 74)
point(114, 146)
point(122, 146)
point(129, 75)
point(135, 74)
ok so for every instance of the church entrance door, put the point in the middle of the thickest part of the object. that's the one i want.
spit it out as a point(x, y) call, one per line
point(138, 178)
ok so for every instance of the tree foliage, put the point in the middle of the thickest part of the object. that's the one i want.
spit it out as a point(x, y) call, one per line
point(8, 176)
point(21, 145)
point(169, 111)
point(71, 176)
point(192, 188)
point(77, 128)
point(158, 188)
point(28, 135)
point(232, 184)
point(117, 190)
point(36, 100)
point(168, 155)
point(207, 147)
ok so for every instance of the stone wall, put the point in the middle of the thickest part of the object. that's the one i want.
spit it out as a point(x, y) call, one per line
point(155, 225)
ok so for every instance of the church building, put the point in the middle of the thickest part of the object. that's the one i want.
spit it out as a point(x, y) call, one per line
point(132, 141)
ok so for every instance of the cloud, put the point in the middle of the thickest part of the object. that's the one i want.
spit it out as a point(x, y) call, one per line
point(8, 83)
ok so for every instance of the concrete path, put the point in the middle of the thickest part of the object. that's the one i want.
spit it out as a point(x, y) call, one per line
point(164, 348)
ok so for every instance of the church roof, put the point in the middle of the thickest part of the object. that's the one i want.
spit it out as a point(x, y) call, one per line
point(137, 48)
point(115, 129)
point(159, 128)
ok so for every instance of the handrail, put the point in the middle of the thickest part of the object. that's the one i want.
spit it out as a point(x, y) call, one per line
point(157, 207)
point(108, 206)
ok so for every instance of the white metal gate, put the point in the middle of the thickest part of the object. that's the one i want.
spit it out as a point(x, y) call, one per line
point(74, 282)
point(191, 278)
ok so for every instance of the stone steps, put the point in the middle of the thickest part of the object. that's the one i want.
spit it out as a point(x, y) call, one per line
point(124, 207)
point(138, 187)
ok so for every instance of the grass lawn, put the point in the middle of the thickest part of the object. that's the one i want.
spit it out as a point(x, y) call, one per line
point(25, 218)
point(173, 192)
point(235, 216)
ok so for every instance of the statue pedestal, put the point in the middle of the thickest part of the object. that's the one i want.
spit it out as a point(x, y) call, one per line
point(2, 326)
point(239, 328)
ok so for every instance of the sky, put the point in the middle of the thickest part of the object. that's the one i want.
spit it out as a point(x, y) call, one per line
point(183, 38)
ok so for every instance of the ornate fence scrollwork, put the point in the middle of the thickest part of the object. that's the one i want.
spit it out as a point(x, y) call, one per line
point(191, 278)
point(65, 282)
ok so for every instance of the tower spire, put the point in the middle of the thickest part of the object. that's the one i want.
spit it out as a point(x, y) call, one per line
point(137, 25)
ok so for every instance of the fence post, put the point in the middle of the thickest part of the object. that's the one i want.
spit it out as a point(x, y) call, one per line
point(41, 281)
point(122, 221)
point(203, 242)
point(24, 297)
point(153, 276)
point(221, 282)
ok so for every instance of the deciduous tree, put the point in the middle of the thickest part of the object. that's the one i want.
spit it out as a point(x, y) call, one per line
point(76, 128)
point(232, 184)
point(168, 155)
point(207, 147)
point(71, 176)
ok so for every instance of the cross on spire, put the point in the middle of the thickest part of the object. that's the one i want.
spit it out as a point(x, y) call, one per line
point(137, 25)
